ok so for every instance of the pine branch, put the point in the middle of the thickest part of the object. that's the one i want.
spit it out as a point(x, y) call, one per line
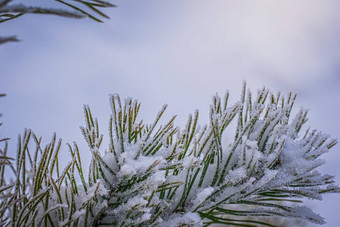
point(80, 9)
point(162, 175)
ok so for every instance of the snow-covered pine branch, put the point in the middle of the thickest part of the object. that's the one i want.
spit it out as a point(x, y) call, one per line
point(162, 176)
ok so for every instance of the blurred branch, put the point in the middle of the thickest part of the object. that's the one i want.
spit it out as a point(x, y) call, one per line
point(8, 39)
point(74, 9)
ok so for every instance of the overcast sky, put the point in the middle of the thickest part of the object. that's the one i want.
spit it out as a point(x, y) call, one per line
point(175, 52)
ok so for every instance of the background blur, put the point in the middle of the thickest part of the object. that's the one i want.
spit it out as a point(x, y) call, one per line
point(175, 52)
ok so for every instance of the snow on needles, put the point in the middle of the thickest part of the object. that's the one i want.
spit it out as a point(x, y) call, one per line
point(162, 176)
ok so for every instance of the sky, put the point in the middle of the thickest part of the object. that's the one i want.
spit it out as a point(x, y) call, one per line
point(176, 52)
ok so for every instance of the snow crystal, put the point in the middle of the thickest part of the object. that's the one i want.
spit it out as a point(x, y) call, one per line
point(307, 214)
point(236, 175)
point(188, 219)
point(202, 195)
point(131, 166)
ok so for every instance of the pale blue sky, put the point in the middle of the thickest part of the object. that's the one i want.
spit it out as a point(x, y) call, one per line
point(175, 52)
